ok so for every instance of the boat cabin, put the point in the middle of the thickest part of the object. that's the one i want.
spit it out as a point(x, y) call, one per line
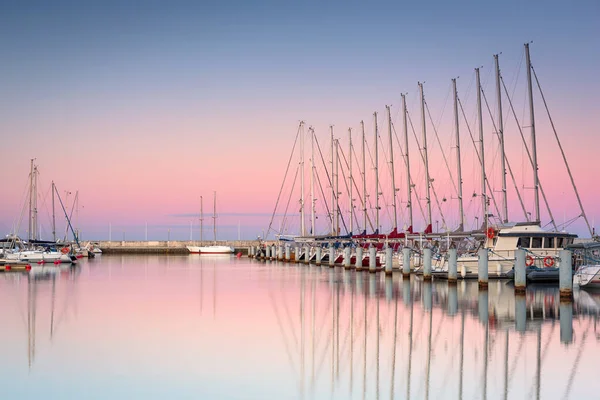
point(530, 236)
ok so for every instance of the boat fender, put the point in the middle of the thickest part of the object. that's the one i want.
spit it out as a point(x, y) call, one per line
point(529, 261)
point(548, 261)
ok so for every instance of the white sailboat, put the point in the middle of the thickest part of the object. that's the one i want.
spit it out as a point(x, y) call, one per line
point(212, 249)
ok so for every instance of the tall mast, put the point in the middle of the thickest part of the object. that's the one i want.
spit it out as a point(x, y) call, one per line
point(333, 196)
point(364, 174)
point(350, 181)
point(337, 187)
point(533, 143)
point(461, 213)
point(425, 159)
point(53, 215)
point(483, 177)
point(302, 225)
point(376, 177)
point(201, 220)
point(35, 210)
point(312, 180)
point(30, 235)
point(501, 138)
point(395, 222)
point(215, 216)
point(408, 181)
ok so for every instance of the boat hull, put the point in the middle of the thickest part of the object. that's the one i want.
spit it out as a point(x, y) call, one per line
point(587, 276)
point(210, 249)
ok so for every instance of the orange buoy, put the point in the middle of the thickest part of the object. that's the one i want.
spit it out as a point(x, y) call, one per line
point(548, 261)
point(529, 261)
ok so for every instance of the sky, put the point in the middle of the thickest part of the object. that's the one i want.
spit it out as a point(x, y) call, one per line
point(142, 109)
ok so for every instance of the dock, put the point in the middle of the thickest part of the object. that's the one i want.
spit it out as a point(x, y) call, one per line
point(174, 247)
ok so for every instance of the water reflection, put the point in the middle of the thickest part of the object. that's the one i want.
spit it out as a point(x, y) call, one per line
point(227, 328)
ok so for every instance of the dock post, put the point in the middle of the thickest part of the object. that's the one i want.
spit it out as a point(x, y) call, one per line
point(520, 313)
point(347, 256)
point(318, 260)
point(331, 255)
point(565, 277)
point(566, 322)
point(251, 252)
point(306, 255)
point(273, 252)
point(372, 259)
point(520, 274)
point(406, 262)
point(298, 254)
point(482, 268)
point(287, 253)
point(452, 300)
point(452, 266)
point(359, 258)
point(279, 253)
point(427, 264)
point(267, 252)
point(389, 258)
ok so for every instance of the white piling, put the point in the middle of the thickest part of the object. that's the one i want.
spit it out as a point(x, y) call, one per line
point(347, 256)
point(482, 268)
point(520, 273)
point(273, 252)
point(427, 264)
point(306, 255)
point(372, 259)
point(279, 253)
point(406, 262)
point(389, 258)
point(331, 255)
point(287, 253)
point(565, 275)
point(267, 252)
point(452, 265)
point(319, 250)
point(359, 258)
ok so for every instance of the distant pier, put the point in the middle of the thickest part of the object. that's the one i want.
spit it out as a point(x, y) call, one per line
point(166, 247)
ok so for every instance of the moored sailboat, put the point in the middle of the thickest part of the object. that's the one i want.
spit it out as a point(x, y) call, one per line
point(214, 248)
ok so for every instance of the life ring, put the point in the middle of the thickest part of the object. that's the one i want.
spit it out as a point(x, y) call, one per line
point(490, 233)
point(529, 261)
point(64, 250)
point(548, 261)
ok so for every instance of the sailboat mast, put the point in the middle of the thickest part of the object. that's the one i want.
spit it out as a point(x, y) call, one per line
point(333, 196)
point(30, 236)
point(364, 175)
point(395, 222)
point(501, 138)
point(201, 221)
point(53, 215)
point(337, 187)
point(215, 216)
point(461, 214)
point(481, 152)
point(376, 177)
point(533, 142)
point(350, 181)
point(408, 181)
point(312, 180)
point(302, 222)
point(426, 160)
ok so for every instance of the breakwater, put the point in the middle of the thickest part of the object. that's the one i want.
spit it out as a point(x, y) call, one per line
point(167, 246)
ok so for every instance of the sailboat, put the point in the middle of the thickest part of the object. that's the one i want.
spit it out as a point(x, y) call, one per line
point(214, 248)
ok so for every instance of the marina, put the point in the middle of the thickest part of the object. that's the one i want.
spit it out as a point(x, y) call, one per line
point(308, 332)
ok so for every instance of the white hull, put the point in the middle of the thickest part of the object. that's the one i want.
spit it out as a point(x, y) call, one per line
point(39, 256)
point(210, 249)
point(587, 276)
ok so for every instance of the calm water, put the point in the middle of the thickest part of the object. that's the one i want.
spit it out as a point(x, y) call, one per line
point(157, 327)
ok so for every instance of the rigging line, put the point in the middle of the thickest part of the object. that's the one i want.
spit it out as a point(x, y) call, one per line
point(529, 154)
point(562, 152)
point(437, 201)
point(506, 159)
point(286, 172)
point(411, 179)
point(491, 193)
point(441, 148)
point(359, 192)
point(285, 219)
point(403, 156)
point(330, 215)
point(345, 162)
